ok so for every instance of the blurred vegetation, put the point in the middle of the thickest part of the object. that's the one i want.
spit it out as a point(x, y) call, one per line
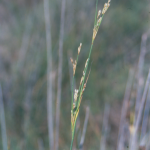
point(116, 49)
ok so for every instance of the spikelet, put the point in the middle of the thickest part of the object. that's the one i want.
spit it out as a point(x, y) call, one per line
point(106, 6)
point(95, 30)
point(74, 67)
point(75, 95)
point(83, 72)
point(79, 48)
point(99, 19)
point(75, 63)
point(99, 13)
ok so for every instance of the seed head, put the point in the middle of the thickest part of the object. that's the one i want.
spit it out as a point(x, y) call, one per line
point(99, 13)
point(106, 5)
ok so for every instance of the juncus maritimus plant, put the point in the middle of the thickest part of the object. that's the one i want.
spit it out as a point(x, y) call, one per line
point(78, 93)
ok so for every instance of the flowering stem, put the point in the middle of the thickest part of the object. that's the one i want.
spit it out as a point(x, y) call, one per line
point(74, 113)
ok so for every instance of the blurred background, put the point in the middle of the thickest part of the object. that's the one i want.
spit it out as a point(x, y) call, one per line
point(23, 69)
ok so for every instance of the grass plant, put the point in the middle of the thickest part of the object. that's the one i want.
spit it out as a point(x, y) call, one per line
point(78, 93)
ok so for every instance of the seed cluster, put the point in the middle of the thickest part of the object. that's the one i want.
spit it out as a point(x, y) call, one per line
point(99, 19)
point(106, 6)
